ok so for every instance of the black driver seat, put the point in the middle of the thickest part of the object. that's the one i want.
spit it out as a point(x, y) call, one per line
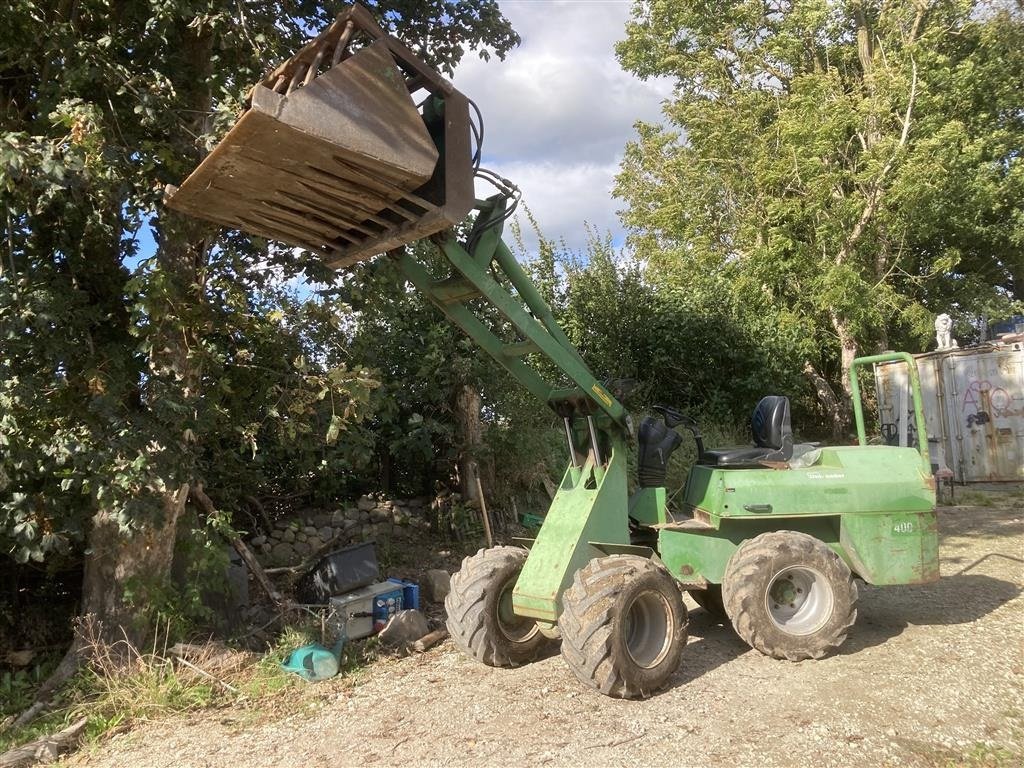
point(773, 438)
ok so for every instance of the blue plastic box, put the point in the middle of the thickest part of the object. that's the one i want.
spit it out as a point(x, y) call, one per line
point(410, 593)
point(386, 605)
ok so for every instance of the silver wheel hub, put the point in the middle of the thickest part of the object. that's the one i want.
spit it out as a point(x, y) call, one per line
point(518, 629)
point(647, 629)
point(799, 600)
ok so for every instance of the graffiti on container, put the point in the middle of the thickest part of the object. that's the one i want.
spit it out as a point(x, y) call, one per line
point(977, 419)
point(891, 431)
point(980, 393)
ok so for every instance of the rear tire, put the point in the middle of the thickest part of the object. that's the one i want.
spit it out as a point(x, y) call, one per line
point(789, 596)
point(623, 626)
point(479, 606)
point(710, 599)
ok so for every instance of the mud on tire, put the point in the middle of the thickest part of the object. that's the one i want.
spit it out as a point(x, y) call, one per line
point(479, 606)
point(623, 626)
point(789, 596)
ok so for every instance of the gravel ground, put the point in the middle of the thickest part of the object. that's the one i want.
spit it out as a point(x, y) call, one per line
point(930, 676)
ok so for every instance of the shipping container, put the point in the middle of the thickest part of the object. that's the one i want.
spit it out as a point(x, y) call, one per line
point(973, 406)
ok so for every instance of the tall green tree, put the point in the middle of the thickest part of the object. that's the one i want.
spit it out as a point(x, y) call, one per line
point(850, 168)
point(113, 376)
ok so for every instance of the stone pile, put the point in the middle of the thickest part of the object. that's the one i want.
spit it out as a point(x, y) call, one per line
point(294, 539)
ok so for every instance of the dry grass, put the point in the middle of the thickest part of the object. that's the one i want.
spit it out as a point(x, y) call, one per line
point(121, 685)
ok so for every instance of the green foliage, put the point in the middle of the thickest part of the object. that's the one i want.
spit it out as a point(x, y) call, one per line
point(121, 379)
point(18, 686)
point(844, 171)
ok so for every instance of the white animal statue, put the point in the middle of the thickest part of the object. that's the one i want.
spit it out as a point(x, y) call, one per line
point(943, 326)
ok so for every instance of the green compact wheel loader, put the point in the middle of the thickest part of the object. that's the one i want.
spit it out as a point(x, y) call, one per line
point(354, 148)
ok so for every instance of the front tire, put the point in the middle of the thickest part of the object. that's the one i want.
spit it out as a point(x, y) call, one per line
point(479, 606)
point(623, 626)
point(789, 596)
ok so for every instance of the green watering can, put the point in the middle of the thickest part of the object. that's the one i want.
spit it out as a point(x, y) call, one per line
point(315, 662)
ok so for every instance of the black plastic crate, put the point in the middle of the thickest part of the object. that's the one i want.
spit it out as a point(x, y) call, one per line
point(339, 572)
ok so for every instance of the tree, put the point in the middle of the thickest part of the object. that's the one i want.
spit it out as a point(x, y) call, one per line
point(849, 168)
point(112, 375)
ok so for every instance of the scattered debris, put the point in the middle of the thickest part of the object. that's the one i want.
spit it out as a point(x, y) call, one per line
point(430, 640)
point(404, 628)
point(46, 749)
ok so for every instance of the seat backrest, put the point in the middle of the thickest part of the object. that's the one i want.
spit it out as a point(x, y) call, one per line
point(770, 423)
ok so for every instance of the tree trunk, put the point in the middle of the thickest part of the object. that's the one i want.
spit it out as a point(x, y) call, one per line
point(470, 436)
point(121, 571)
point(848, 348)
point(384, 469)
point(827, 397)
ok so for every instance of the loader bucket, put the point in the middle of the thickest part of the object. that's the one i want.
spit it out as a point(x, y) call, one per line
point(333, 154)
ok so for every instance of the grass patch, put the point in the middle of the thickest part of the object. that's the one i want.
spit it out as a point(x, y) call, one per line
point(18, 687)
point(974, 499)
point(986, 756)
point(122, 685)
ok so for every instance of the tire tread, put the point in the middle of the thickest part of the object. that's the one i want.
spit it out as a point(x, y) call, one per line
point(753, 558)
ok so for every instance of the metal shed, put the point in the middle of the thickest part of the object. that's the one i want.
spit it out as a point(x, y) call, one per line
point(974, 409)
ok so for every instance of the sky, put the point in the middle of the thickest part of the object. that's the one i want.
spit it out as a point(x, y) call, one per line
point(559, 111)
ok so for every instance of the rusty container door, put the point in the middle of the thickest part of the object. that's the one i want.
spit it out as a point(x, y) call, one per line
point(896, 409)
point(985, 411)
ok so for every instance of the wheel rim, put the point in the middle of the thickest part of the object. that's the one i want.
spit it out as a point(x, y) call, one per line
point(648, 629)
point(515, 628)
point(799, 600)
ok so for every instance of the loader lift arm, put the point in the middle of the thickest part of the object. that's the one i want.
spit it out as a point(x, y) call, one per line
point(592, 497)
point(355, 147)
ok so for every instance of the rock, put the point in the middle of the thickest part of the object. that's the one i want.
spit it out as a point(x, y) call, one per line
point(398, 517)
point(403, 628)
point(301, 548)
point(379, 514)
point(288, 535)
point(337, 517)
point(314, 543)
point(350, 524)
point(302, 536)
point(309, 530)
point(436, 585)
point(257, 541)
point(326, 533)
point(276, 534)
point(366, 503)
point(352, 513)
point(366, 532)
point(283, 554)
point(321, 520)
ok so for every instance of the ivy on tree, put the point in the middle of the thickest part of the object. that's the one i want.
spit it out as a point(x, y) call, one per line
point(123, 383)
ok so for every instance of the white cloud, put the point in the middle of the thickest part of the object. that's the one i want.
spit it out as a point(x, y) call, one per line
point(563, 196)
point(559, 110)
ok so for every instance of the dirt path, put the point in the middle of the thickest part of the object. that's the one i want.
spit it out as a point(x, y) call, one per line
point(930, 675)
